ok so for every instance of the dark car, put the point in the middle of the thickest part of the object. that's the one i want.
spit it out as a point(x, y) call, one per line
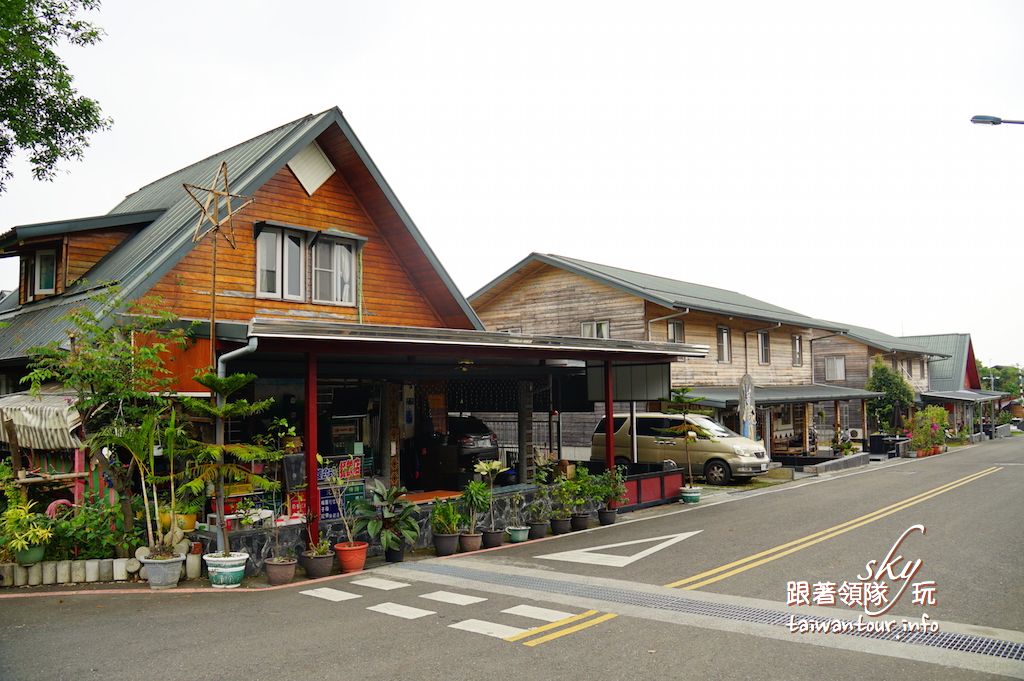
point(473, 438)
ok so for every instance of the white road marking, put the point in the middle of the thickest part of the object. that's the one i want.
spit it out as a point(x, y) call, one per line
point(487, 628)
point(592, 555)
point(403, 611)
point(543, 614)
point(378, 583)
point(453, 598)
point(330, 594)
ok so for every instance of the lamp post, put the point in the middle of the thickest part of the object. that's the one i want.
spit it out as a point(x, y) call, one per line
point(993, 120)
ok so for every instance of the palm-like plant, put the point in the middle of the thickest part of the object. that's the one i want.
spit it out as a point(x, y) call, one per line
point(475, 499)
point(386, 517)
point(490, 470)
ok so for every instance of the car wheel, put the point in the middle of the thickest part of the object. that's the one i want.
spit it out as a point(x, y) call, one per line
point(623, 461)
point(717, 473)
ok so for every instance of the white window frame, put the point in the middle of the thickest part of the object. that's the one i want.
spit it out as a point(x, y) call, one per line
point(37, 287)
point(675, 332)
point(338, 253)
point(764, 348)
point(837, 363)
point(723, 343)
point(285, 267)
point(797, 341)
point(596, 329)
point(278, 279)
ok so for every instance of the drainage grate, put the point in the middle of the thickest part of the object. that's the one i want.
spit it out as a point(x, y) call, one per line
point(966, 643)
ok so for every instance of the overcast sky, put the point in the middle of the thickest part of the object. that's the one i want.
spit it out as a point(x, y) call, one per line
point(816, 155)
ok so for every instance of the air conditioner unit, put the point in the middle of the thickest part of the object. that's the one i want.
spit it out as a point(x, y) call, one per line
point(855, 434)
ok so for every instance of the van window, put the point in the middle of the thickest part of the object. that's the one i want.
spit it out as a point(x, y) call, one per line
point(619, 420)
point(655, 426)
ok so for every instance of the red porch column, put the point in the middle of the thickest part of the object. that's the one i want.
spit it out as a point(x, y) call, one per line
point(609, 413)
point(312, 492)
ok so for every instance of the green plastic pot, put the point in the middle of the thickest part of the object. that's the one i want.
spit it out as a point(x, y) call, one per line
point(518, 534)
point(31, 555)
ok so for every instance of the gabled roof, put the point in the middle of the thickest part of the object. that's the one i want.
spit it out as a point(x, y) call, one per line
point(955, 370)
point(139, 263)
point(670, 293)
point(884, 341)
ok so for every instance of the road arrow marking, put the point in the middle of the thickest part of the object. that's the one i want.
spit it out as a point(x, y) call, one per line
point(592, 556)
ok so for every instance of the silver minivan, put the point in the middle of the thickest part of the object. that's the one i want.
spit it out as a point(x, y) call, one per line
point(717, 454)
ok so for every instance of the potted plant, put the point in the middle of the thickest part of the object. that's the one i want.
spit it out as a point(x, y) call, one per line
point(562, 495)
point(188, 511)
point(445, 521)
point(582, 491)
point(25, 532)
point(489, 470)
point(214, 463)
point(611, 491)
point(538, 510)
point(517, 531)
point(387, 518)
point(318, 559)
point(280, 566)
point(351, 553)
point(475, 500)
point(165, 554)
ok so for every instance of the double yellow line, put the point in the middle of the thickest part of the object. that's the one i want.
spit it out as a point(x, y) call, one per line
point(584, 619)
point(774, 553)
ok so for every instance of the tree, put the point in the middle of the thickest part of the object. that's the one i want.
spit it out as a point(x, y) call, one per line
point(40, 110)
point(897, 396)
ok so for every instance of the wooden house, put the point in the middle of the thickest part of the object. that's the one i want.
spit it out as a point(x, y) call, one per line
point(546, 293)
point(323, 286)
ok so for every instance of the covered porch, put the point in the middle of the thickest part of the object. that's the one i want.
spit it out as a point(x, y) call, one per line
point(790, 422)
point(974, 412)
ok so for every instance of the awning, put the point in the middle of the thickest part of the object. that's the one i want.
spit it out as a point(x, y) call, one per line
point(46, 421)
point(727, 397)
point(962, 396)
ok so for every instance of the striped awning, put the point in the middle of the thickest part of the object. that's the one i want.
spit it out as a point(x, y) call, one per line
point(46, 421)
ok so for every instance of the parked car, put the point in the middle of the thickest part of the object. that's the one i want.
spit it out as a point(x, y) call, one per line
point(717, 454)
point(474, 440)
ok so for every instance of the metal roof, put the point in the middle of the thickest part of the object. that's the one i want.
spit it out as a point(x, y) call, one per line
point(962, 395)
point(723, 397)
point(139, 263)
point(884, 341)
point(670, 293)
point(59, 227)
point(947, 373)
point(505, 344)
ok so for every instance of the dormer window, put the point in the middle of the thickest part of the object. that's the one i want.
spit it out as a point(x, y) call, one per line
point(45, 272)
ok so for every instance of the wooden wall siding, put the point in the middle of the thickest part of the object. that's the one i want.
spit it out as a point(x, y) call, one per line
point(555, 302)
point(917, 382)
point(389, 294)
point(25, 285)
point(702, 328)
point(85, 249)
point(858, 363)
point(374, 204)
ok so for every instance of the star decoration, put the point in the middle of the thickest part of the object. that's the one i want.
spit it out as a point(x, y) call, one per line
point(218, 199)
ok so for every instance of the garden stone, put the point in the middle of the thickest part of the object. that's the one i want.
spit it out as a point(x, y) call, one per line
point(63, 571)
point(35, 574)
point(193, 566)
point(77, 571)
point(92, 570)
point(133, 565)
point(49, 572)
point(6, 574)
point(120, 568)
point(106, 569)
point(20, 575)
point(142, 573)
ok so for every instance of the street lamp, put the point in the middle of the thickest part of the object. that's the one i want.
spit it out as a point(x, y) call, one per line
point(992, 120)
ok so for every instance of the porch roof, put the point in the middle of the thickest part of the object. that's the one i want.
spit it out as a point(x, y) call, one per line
point(724, 397)
point(47, 421)
point(962, 396)
point(335, 337)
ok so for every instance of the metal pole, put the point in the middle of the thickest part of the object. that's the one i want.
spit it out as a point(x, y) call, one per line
point(310, 441)
point(609, 413)
point(632, 431)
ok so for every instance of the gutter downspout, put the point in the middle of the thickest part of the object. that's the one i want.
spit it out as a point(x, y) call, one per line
point(661, 319)
point(746, 355)
point(810, 344)
point(218, 427)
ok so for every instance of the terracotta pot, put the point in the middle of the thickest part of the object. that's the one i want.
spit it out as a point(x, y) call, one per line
point(921, 453)
point(446, 544)
point(317, 566)
point(937, 449)
point(607, 516)
point(280, 570)
point(470, 542)
point(187, 522)
point(493, 538)
point(351, 556)
point(538, 530)
point(561, 525)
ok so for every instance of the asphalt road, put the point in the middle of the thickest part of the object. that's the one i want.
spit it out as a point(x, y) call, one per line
point(596, 620)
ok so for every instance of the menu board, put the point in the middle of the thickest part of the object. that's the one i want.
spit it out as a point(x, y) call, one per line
point(329, 508)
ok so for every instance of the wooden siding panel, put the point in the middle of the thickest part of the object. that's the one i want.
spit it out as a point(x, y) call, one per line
point(85, 249)
point(389, 294)
point(858, 362)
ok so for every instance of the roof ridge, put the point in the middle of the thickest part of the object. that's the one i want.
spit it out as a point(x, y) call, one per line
point(265, 133)
point(678, 281)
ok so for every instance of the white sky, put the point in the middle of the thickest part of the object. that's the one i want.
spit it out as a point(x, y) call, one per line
point(816, 155)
